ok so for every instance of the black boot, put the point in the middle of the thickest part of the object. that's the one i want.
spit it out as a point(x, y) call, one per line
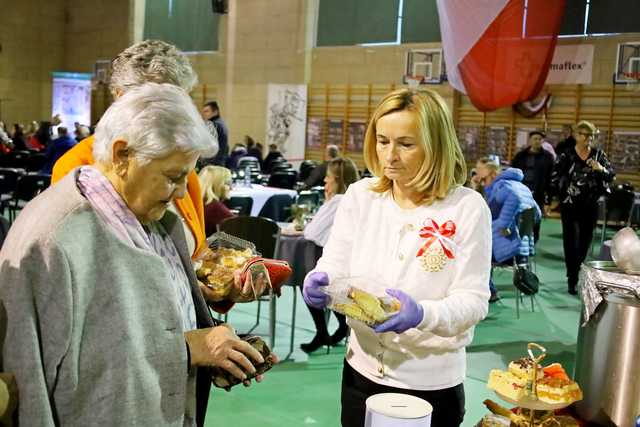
point(572, 287)
point(341, 332)
point(322, 335)
point(317, 342)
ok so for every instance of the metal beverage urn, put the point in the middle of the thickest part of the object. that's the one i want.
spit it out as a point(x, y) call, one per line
point(607, 357)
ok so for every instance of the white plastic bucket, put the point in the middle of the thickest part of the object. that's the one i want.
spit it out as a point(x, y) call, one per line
point(397, 410)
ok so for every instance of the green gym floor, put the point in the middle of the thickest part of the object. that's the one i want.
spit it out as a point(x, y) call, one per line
point(306, 390)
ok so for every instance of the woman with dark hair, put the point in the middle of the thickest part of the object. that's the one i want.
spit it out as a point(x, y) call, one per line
point(580, 176)
point(340, 174)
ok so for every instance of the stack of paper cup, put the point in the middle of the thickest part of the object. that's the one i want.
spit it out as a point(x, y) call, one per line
point(397, 410)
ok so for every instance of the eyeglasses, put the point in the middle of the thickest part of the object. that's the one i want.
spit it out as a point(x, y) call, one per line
point(584, 134)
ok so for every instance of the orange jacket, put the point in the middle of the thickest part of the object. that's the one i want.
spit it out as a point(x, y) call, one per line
point(190, 206)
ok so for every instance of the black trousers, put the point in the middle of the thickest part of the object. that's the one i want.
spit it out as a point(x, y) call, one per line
point(539, 198)
point(448, 404)
point(578, 224)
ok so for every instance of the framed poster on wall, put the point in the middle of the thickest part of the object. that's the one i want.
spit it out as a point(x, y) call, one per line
point(314, 133)
point(287, 120)
point(355, 138)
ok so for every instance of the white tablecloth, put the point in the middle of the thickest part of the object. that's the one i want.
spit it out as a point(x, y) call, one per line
point(260, 194)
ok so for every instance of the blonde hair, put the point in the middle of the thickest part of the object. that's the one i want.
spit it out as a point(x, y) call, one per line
point(444, 167)
point(345, 173)
point(587, 127)
point(212, 181)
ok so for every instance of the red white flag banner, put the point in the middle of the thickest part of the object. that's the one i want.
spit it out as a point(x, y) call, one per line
point(498, 51)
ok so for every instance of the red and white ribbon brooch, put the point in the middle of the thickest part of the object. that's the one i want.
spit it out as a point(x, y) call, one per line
point(439, 247)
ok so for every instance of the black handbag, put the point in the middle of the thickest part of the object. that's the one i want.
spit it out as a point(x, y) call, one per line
point(526, 281)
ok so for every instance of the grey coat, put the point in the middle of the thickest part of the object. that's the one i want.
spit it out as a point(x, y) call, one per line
point(93, 334)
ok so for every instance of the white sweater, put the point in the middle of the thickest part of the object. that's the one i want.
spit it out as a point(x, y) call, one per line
point(320, 226)
point(373, 237)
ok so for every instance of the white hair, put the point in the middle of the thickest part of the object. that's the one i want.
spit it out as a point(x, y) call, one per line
point(155, 120)
point(151, 61)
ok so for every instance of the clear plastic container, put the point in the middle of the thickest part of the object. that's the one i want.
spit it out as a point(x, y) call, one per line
point(361, 299)
point(225, 255)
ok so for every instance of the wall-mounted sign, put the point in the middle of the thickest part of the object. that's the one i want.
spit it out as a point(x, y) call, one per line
point(571, 64)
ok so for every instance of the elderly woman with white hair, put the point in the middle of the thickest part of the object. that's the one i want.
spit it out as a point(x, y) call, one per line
point(106, 324)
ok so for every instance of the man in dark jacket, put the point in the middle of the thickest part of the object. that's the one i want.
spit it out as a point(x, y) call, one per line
point(568, 142)
point(211, 113)
point(536, 165)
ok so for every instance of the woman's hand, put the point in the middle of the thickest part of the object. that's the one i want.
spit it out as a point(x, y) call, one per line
point(312, 290)
point(259, 378)
point(221, 347)
point(249, 290)
point(410, 315)
point(595, 165)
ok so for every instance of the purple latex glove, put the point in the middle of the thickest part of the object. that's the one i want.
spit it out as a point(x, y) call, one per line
point(409, 316)
point(311, 292)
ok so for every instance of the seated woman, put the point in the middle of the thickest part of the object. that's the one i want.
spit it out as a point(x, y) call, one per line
point(507, 198)
point(106, 324)
point(340, 174)
point(215, 182)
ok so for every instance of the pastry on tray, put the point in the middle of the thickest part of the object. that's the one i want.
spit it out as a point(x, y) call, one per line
point(507, 384)
point(523, 368)
point(553, 385)
point(558, 390)
point(555, 370)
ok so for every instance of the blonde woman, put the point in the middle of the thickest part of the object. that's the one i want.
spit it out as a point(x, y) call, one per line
point(414, 228)
point(216, 186)
point(580, 176)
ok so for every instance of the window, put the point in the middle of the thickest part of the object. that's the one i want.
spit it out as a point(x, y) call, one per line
point(589, 17)
point(352, 22)
point(191, 25)
point(613, 16)
point(420, 23)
